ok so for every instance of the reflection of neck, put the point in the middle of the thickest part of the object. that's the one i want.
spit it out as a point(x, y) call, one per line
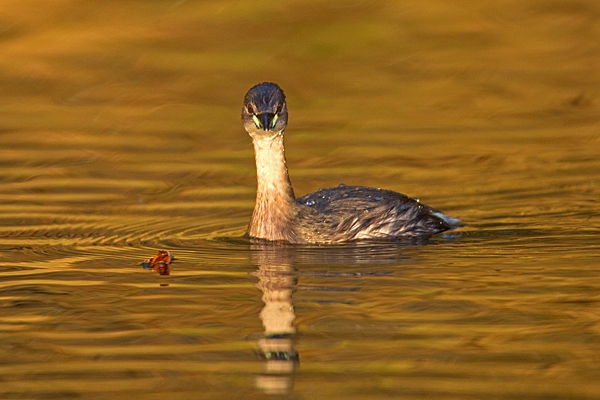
point(277, 282)
point(275, 201)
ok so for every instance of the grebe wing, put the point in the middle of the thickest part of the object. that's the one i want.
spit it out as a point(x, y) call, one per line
point(367, 213)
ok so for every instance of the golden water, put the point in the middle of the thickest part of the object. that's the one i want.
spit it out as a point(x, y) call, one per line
point(120, 135)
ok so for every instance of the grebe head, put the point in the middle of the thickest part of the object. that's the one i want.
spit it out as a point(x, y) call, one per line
point(264, 113)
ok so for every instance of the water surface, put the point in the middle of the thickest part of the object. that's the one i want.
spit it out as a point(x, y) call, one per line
point(120, 135)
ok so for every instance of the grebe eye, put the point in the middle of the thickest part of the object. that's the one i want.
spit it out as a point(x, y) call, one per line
point(279, 108)
point(250, 109)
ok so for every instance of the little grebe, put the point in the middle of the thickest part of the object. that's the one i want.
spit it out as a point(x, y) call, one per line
point(335, 215)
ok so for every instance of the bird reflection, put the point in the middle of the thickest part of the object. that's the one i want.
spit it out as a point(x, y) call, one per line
point(278, 276)
point(277, 279)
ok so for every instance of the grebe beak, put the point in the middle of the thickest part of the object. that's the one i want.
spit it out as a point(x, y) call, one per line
point(267, 121)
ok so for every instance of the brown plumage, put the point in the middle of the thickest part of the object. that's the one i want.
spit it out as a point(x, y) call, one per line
point(334, 215)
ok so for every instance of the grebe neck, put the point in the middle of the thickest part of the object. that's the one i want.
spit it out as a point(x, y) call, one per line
point(275, 201)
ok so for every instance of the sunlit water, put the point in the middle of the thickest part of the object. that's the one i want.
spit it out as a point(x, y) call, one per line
point(120, 136)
